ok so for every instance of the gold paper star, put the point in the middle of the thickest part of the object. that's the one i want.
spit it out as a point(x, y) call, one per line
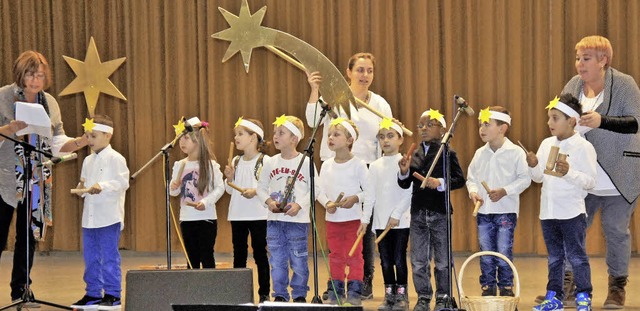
point(552, 104)
point(243, 32)
point(281, 120)
point(435, 114)
point(386, 124)
point(92, 77)
point(88, 125)
point(337, 121)
point(179, 128)
point(485, 115)
point(238, 122)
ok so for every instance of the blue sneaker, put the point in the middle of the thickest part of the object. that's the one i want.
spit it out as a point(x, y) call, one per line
point(551, 302)
point(583, 302)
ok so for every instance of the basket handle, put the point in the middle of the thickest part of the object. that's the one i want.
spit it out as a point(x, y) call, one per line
point(489, 253)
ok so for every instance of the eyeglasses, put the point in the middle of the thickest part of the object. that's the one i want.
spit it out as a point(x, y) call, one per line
point(429, 125)
point(38, 76)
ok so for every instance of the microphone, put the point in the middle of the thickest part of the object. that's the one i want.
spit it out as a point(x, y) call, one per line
point(327, 108)
point(463, 105)
point(56, 160)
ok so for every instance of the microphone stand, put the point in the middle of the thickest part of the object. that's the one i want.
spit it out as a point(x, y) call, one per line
point(164, 151)
point(449, 300)
point(27, 295)
point(289, 192)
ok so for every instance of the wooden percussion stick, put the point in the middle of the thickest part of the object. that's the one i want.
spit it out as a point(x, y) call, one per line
point(234, 186)
point(486, 187)
point(412, 148)
point(476, 208)
point(79, 191)
point(386, 230)
point(181, 170)
point(522, 146)
point(232, 146)
point(192, 204)
point(553, 155)
point(337, 201)
point(355, 244)
point(418, 176)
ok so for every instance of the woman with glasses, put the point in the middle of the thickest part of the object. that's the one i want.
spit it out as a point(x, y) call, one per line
point(32, 75)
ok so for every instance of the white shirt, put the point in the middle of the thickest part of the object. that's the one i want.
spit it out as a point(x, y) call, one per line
point(563, 197)
point(241, 208)
point(188, 190)
point(273, 180)
point(109, 170)
point(348, 177)
point(366, 146)
point(384, 197)
point(505, 168)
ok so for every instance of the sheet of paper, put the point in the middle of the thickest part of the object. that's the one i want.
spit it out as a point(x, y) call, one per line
point(36, 117)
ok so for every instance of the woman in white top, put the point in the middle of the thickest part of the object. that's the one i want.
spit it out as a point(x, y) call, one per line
point(246, 213)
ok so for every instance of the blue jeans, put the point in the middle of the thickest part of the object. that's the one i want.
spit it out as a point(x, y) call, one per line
point(429, 240)
point(495, 233)
point(615, 217)
point(102, 260)
point(567, 235)
point(287, 243)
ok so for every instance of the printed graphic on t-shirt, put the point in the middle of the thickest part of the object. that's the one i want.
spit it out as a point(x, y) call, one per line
point(189, 187)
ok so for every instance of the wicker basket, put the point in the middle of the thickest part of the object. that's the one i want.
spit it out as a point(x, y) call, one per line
point(489, 303)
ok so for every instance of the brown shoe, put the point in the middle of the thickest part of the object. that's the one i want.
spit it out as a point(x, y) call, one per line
point(616, 295)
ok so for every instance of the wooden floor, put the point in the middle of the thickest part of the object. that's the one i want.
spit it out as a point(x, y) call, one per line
point(57, 277)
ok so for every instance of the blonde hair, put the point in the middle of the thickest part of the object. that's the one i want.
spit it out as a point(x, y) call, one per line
point(205, 155)
point(346, 132)
point(600, 44)
point(298, 123)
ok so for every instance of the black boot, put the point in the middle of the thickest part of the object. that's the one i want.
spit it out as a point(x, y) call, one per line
point(389, 298)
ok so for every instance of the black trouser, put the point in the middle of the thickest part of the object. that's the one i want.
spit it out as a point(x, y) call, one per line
point(240, 231)
point(368, 252)
point(393, 254)
point(19, 272)
point(199, 239)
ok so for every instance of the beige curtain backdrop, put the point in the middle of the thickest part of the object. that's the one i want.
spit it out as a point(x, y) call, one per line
point(516, 53)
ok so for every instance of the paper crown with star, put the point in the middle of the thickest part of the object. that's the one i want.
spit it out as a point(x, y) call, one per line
point(555, 103)
point(387, 124)
point(251, 126)
point(435, 115)
point(342, 121)
point(486, 115)
point(90, 126)
point(283, 121)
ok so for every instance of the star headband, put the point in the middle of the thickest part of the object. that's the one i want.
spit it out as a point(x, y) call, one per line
point(346, 125)
point(90, 126)
point(557, 104)
point(250, 125)
point(282, 121)
point(435, 115)
point(486, 114)
point(387, 124)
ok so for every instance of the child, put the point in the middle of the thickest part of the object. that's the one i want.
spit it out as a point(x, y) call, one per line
point(428, 211)
point(562, 207)
point(198, 181)
point(390, 207)
point(503, 166)
point(105, 170)
point(347, 174)
point(246, 213)
point(287, 222)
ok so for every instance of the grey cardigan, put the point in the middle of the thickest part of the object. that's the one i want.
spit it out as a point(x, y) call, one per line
point(7, 153)
point(621, 98)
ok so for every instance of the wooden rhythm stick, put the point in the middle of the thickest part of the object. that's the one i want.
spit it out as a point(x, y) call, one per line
point(476, 208)
point(234, 186)
point(80, 191)
point(418, 176)
point(181, 170)
point(340, 196)
point(386, 230)
point(554, 155)
point(232, 146)
point(192, 204)
point(522, 146)
point(486, 187)
point(355, 244)
point(412, 148)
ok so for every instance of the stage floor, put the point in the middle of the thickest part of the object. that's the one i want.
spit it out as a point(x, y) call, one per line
point(57, 277)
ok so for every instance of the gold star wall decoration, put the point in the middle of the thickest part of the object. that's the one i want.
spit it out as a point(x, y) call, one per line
point(92, 77)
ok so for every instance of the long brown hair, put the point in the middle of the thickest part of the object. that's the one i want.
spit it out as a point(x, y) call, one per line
point(205, 155)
